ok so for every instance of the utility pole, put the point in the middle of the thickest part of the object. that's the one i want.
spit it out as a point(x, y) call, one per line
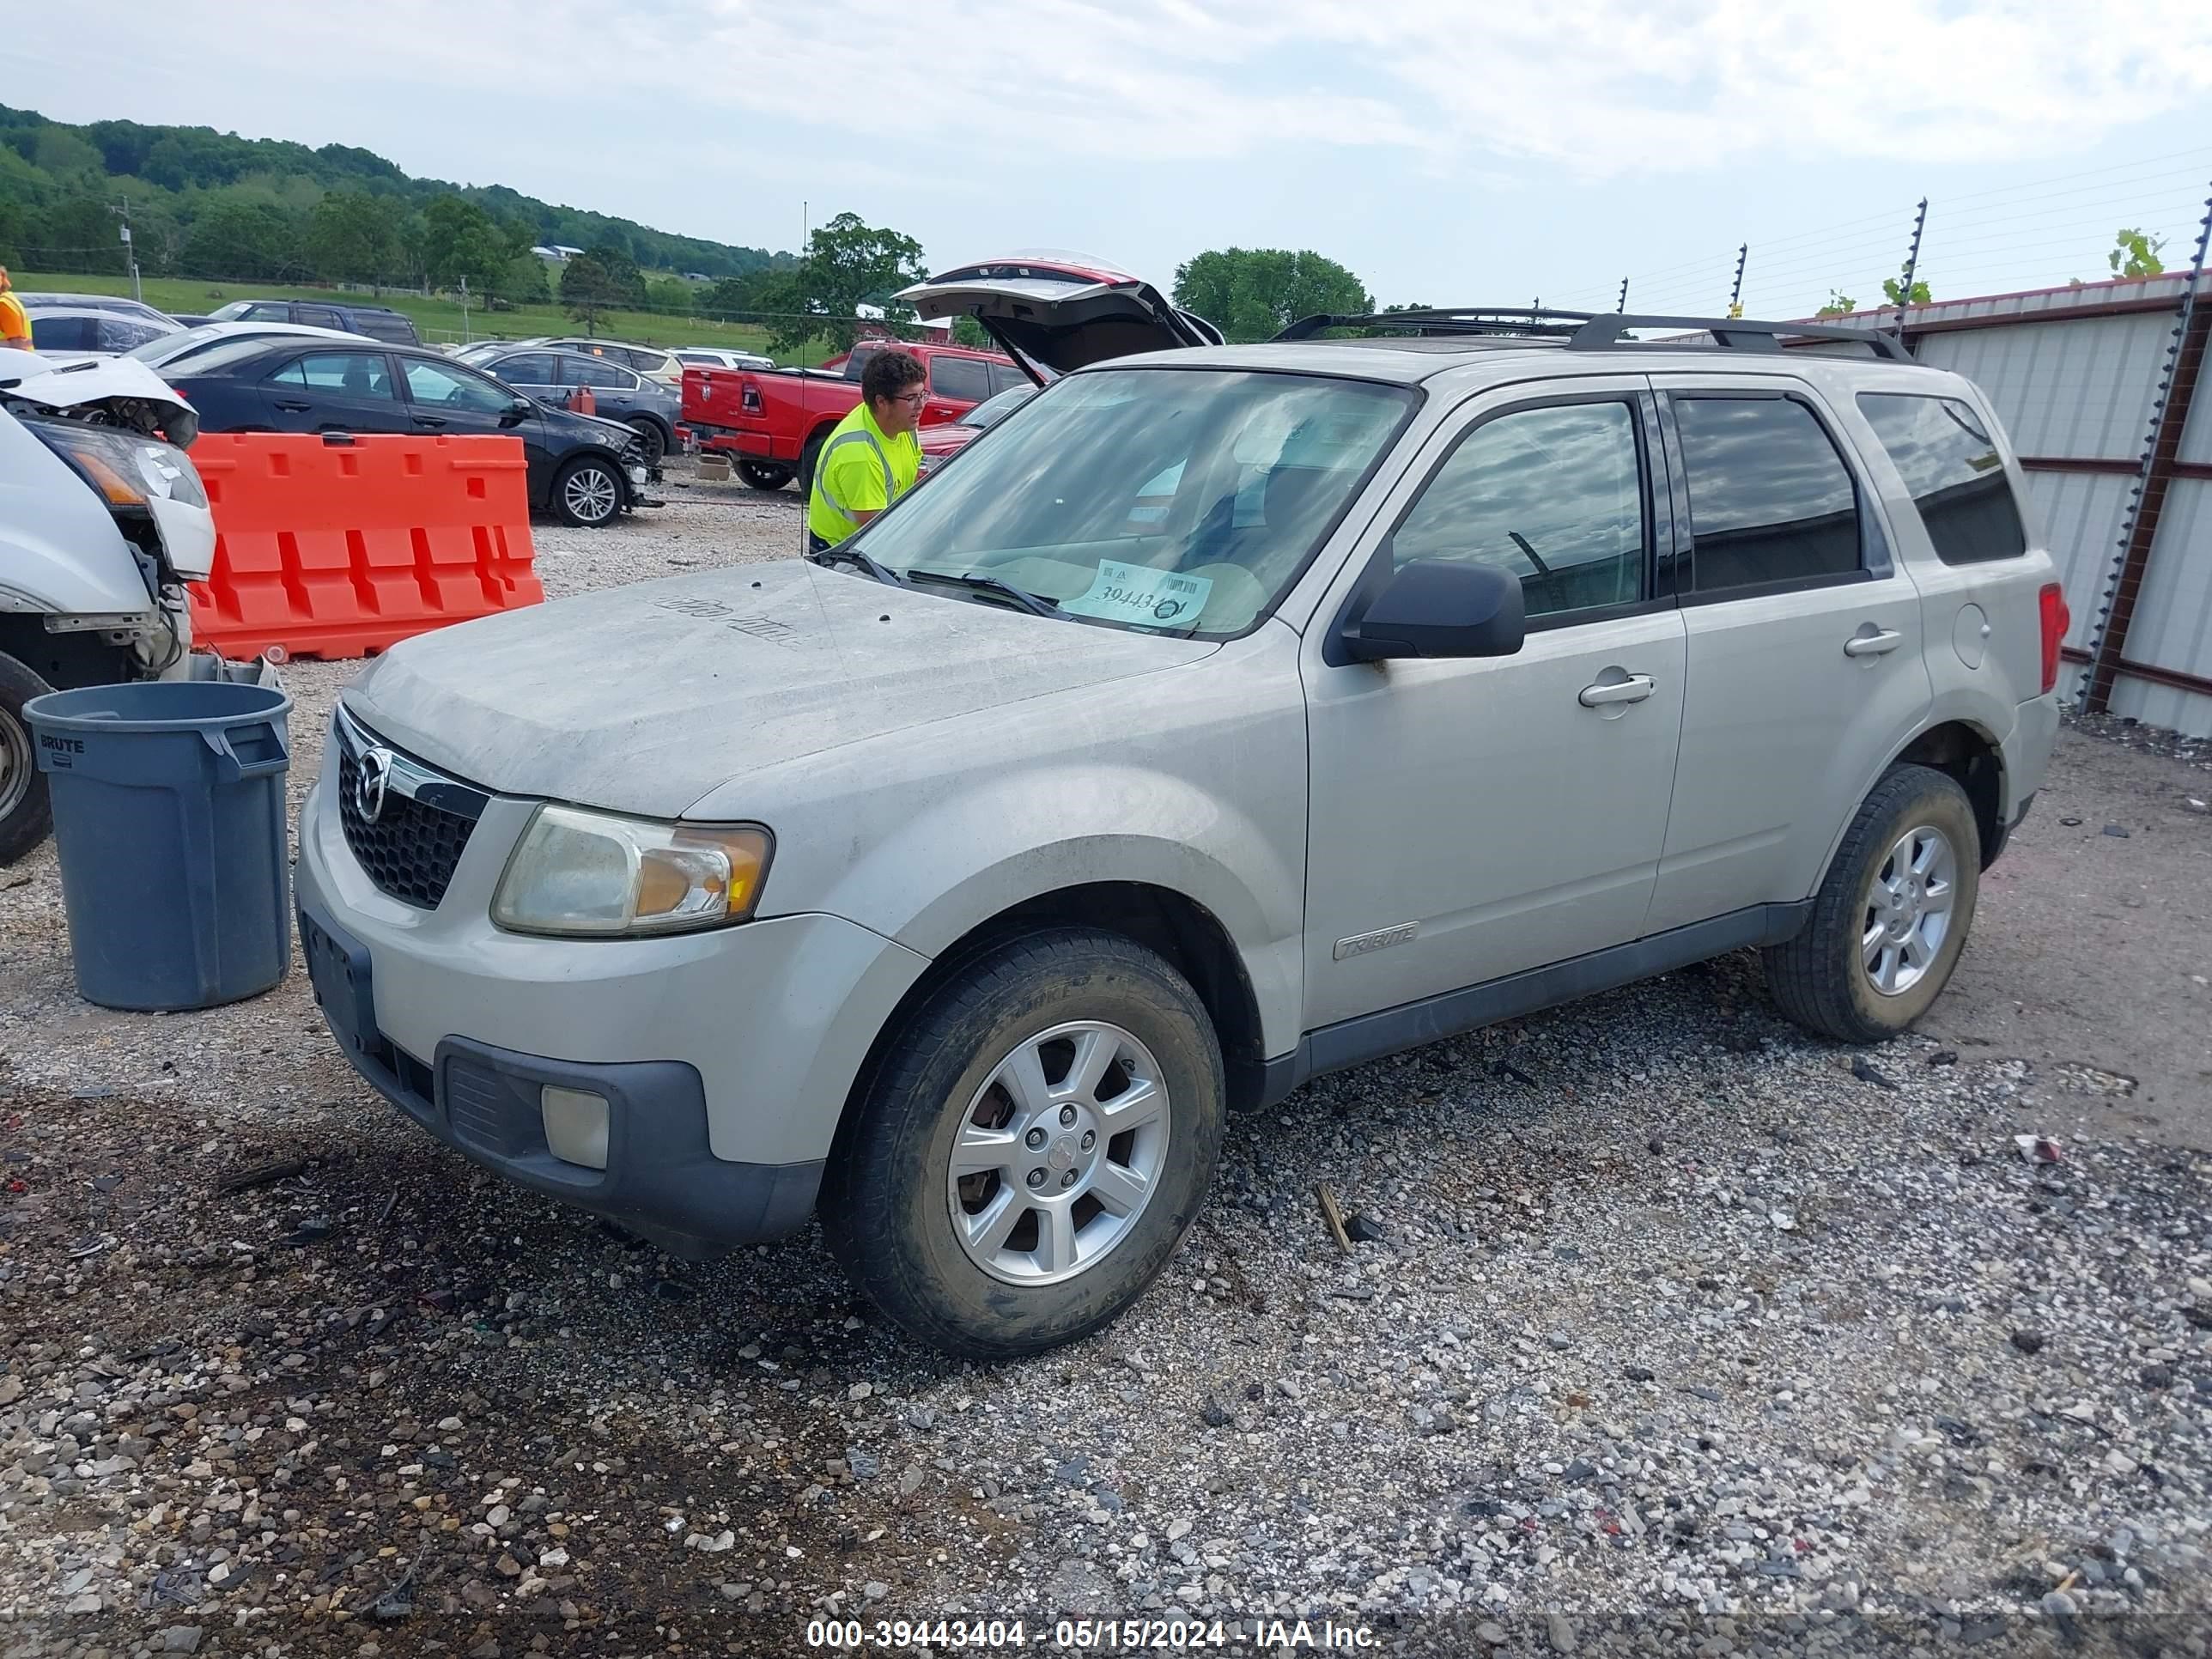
point(806, 228)
point(1623, 306)
point(1735, 294)
point(465, 311)
point(129, 249)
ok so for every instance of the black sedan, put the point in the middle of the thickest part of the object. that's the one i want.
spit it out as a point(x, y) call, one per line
point(584, 469)
point(620, 393)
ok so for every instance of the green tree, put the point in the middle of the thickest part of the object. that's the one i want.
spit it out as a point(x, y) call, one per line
point(461, 240)
point(669, 296)
point(589, 290)
point(240, 238)
point(967, 332)
point(1840, 304)
point(355, 237)
point(1892, 289)
point(2134, 255)
point(522, 280)
point(622, 271)
point(75, 232)
point(730, 296)
point(848, 263)
point(1254, 293)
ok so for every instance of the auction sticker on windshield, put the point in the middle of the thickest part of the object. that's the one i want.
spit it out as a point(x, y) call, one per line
point(1137, 593)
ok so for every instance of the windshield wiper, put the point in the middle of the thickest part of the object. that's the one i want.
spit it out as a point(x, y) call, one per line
point(881, 572)
point(1021, 596)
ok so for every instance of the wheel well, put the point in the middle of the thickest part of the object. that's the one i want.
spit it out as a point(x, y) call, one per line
point(63, 661)
point(1971, 759)
point(1181, 930)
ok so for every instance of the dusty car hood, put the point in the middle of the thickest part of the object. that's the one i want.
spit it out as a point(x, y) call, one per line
point(644, 699)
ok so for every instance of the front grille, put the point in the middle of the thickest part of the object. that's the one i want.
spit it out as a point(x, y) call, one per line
point(413, 844)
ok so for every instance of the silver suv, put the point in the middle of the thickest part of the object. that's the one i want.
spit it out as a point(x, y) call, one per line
point(1224, 716)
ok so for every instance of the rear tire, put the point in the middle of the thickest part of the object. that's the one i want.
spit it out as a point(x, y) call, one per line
point(764, 475)
point(588, 493)
point(1079, 1078)
point(25, 813)
point(1891, 919)
point(808, 454)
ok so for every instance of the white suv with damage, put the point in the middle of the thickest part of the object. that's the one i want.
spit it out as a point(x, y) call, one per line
point(1224, 716)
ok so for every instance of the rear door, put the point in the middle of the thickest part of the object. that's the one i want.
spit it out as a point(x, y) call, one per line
point(614, 388)
point(335, 392)
point(533, 374)
point(1806, 666)
point(320, 317)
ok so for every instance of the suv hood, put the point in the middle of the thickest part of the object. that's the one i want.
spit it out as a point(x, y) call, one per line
point(1061, 312)
point(647, 698)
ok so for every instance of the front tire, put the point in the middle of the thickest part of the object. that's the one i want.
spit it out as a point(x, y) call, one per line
point(650, 435)
point(588, 493)
point(809, 453)
point(1031, 1146)
point(1892, 917)
point(26, 814)
point(764, 475)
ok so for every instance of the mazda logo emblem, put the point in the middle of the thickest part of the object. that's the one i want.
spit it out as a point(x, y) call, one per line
point(368, 789)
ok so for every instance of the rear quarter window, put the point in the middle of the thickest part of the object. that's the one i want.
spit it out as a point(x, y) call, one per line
point(1950, 464)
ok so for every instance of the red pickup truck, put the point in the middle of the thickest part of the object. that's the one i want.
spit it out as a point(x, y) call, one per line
point(772, 421)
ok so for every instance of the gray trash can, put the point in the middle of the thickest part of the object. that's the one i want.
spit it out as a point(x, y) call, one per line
point(168, 802)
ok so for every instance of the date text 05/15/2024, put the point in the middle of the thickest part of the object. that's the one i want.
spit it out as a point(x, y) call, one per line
point(1093, 1635)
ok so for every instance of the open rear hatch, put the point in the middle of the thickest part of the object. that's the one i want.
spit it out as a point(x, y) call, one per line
point(1057, 312)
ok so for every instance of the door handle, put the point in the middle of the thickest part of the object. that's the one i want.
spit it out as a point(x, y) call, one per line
point(1873, 645)
point(433, 421)
point(291, 407)
point(1634, 689)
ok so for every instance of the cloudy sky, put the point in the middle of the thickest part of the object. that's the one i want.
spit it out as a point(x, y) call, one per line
point(1448, 152)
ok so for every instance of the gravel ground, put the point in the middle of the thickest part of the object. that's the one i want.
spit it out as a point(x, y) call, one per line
point(1674, 1331)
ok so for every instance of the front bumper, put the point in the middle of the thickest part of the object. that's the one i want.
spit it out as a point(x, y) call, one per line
point(726, 1056)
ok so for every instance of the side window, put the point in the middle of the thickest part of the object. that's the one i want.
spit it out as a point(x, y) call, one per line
point(1952, 469)
point(50, 333)
point(454, 388)
point(526, 368)
point(1006, 375)
point(966, 380)
point(856, 365)
point(269, 312)
point(1770, 500)
point(320, 317)
point(1555, 495)
point(354, 373)
point(121, 333)
point(595, 371)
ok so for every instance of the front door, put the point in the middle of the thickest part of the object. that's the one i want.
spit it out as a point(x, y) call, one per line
point(1471, 819)
point(1806, 672)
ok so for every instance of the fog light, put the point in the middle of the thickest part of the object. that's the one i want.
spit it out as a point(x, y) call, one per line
point(575, 1125)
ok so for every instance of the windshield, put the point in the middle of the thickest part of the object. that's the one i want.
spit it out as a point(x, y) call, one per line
point(992, 411)
point(168, 348)
point(1164, 501)
point(231, 312)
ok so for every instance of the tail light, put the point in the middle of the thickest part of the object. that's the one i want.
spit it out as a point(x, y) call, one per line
point(750, 399)
point(2056, 619)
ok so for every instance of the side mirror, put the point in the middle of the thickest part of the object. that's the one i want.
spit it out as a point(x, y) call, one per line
point(517, 412)
point(1440, 608)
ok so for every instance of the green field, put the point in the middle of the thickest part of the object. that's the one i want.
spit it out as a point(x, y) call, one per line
point(439, 321)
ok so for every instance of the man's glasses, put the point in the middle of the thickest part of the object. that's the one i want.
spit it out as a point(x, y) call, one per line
point(915, 398)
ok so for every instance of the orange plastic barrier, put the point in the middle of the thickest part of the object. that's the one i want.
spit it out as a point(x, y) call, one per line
point(340, 548)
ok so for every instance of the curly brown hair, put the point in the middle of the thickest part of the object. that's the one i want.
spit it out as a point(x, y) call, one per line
point(889, 373)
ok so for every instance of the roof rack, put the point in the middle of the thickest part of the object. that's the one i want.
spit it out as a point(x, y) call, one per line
point(1597, 331)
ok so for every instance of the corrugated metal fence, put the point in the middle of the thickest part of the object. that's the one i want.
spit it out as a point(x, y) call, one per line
point(2078, 375)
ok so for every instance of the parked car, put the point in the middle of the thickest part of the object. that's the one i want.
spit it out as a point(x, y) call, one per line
point(647, 407)
point(378, 322)
point(717, 357)
point(772, 422)
point(649, 361)
point(114, 302)
point(584, 469)
point(1226, 716)
point(102, 522)
point(167, 351)
point(940, 444)
point(97, 329)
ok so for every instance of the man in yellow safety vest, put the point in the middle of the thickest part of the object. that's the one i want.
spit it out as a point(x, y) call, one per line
point(871, 457)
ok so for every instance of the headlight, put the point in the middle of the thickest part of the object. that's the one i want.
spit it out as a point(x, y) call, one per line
point(592, 875)
point(126, 468)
